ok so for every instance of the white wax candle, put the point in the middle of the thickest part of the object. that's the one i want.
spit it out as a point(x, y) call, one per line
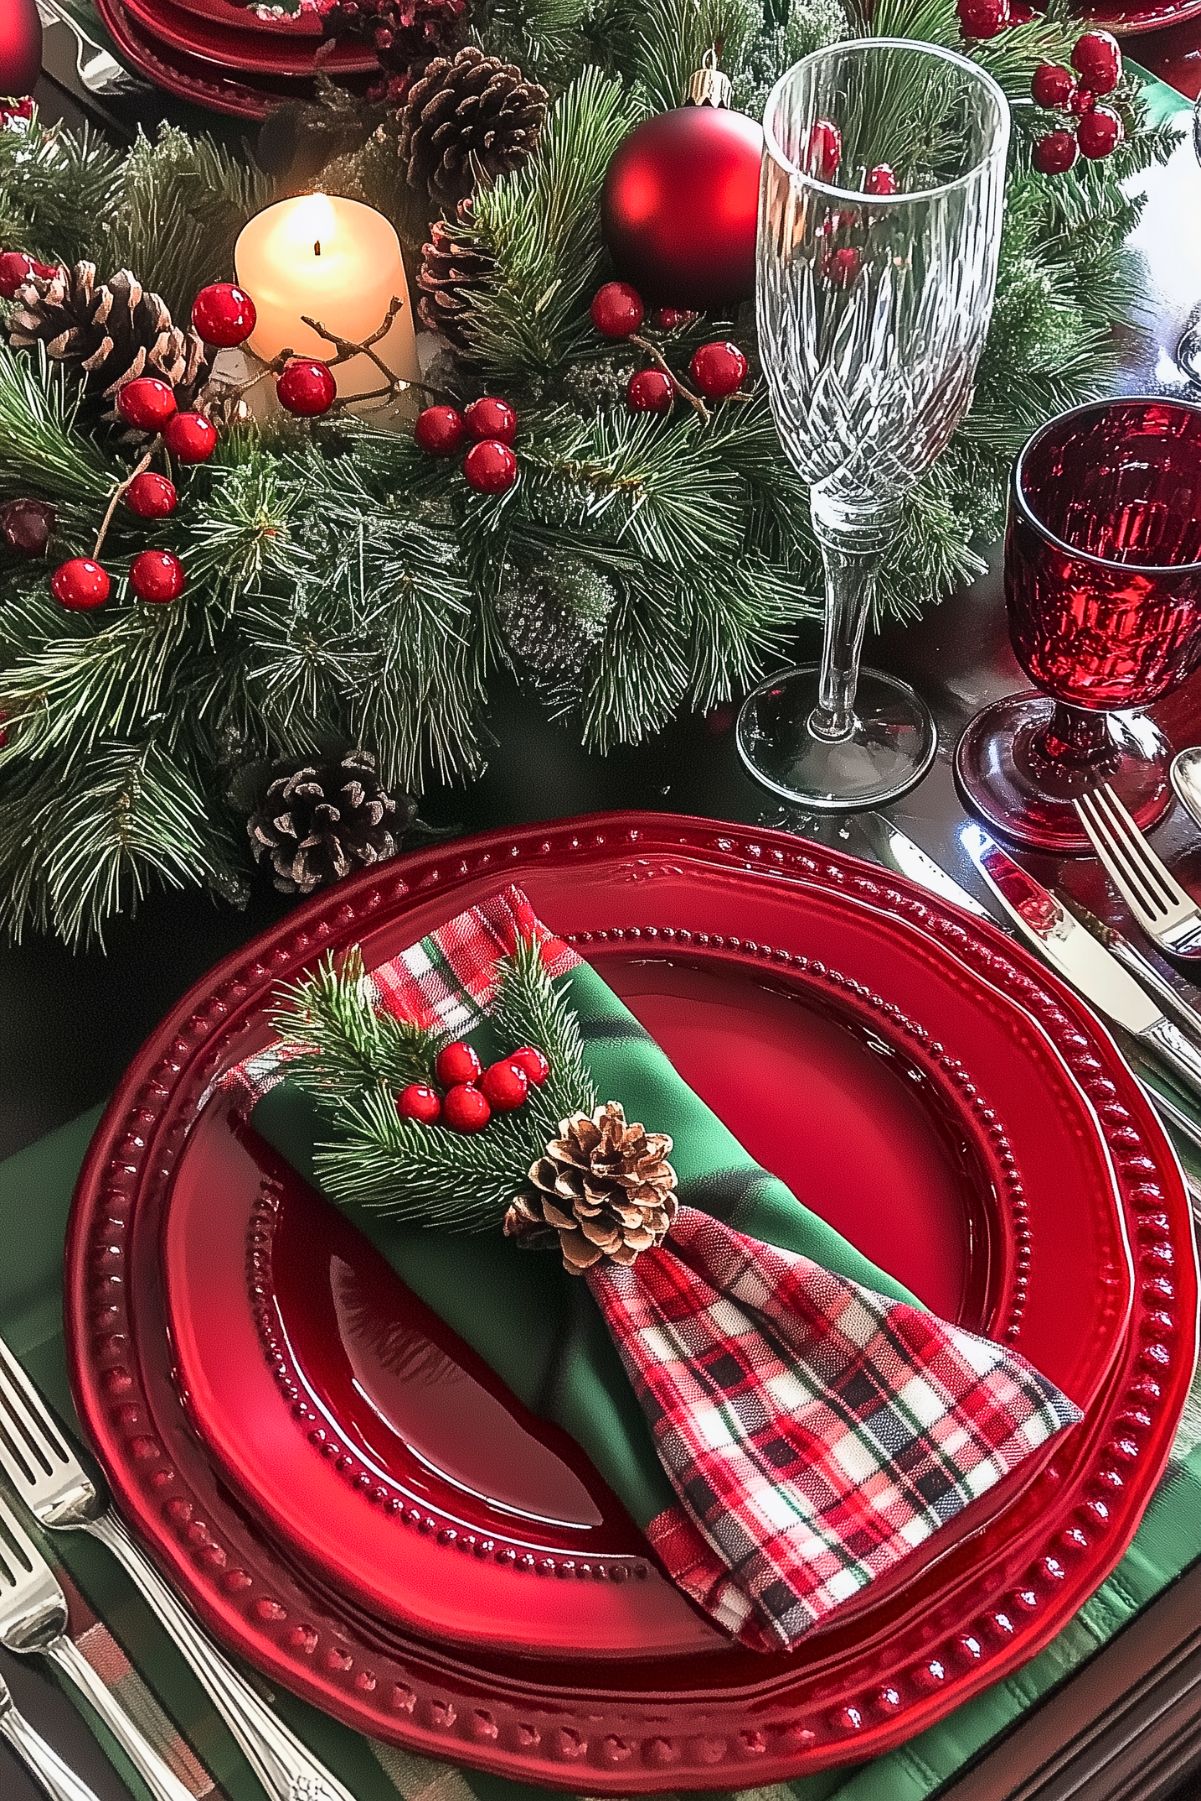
point(335, 261)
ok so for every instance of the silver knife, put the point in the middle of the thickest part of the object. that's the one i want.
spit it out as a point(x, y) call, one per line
point(1084, 964)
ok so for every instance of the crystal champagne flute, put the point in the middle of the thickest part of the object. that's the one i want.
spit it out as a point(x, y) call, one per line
point(881, 199)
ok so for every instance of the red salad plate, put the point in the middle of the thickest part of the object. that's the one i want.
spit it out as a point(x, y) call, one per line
point(713, 933)
point(274, 21)
point(320, 1402)
point(242, 52)
point(193, 78)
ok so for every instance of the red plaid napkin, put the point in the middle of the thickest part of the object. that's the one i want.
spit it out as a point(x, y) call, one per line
point(815, 1432)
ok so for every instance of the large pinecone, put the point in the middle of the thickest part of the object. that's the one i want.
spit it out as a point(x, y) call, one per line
point(604, 1188)
point(112, 330)
point(452, 268)
point(319, 820)
point(468, 118)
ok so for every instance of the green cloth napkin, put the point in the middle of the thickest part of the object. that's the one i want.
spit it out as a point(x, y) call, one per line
point(539, 1329)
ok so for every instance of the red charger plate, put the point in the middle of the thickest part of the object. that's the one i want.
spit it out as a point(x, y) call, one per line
point(620, 1726)
point(318, 1393)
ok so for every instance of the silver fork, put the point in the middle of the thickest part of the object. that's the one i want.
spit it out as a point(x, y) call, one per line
point(56, 1778)
point(33, 1622)
point(39, 1461)
point(1169, 915)
point(98, 70)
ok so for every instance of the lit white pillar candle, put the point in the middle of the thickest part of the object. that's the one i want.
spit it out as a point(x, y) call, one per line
point(336, 261)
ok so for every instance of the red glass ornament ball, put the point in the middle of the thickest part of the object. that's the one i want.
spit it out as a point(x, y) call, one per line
point(1099, 133)
point(1053, 86)
point(80, 585)
point(157, 576)
point(146, 403)
point(718, 369)
point(1098, 57)
point(534, 1063)
point(20, 46)
point(15, 269)
point(420, 1102)
point(505, 1086)
point(466, 1109)
point(983, 18)
point(681, 204)
point(1054, 153)
point(224, 314)
point(671, 318)
point(306, 387)
point(440, 430)
point(617, 310)
point(490, 467)
point(823, 149)
point(151, 496)
point(456, 1063)
point(191, 437)
point(650, 391)
point(491, 417)
point(881, 180)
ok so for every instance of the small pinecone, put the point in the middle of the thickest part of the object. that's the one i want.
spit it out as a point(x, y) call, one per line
point(604, 1188)
point(452, 267)
point(468, 118)
point(553, 617)
point(318, 820)
point(112, 330)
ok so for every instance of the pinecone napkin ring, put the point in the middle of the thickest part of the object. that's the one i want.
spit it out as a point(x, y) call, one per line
point(604, 1187)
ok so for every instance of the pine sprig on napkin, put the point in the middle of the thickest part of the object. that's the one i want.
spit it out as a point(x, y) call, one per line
point(353, 1059)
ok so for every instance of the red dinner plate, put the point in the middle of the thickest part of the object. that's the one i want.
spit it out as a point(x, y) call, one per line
point(1129, 20)
point(193, 78)
point(333, 1423)
point(270, 20)
point(662, 1718)
point(242, 52)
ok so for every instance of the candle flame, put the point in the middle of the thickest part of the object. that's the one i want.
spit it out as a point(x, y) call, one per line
point(315, 222)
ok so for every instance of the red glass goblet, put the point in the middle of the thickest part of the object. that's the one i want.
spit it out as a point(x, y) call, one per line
point(1103, 587)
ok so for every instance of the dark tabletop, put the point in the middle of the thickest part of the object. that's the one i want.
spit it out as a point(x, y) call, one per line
point(1129, 1725)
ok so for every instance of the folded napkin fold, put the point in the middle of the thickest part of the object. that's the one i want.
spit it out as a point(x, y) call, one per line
point(783, 1419)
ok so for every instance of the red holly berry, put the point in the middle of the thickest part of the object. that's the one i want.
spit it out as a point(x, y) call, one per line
point(306, 387)
point(823, 149)
point(490, 467)
point(491, 417)
point(718, 369)
point(505, 1086)
point(190, 437)
point(223, 314)
point(840, 267)
point(1055, 152)
point(151, 496)
point(983, 18)
point(1098, 57)
point(157, 576)
point(80, 585)
point(146, 403)
point(533, 1062)
point(650, 391)
point(1099, 133)
point(440, 430)
point(15, 269)
point(881, 180)
point(1053, 86)
point(26, 525)
point(617, 310)
point(465, 1109)
point(671, 318)
point(456, 1063)
point(419, 1101)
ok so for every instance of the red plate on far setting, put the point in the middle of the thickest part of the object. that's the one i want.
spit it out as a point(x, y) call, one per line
point(273, 21)
point(1128, 18)
point(376, 1525)
point(240, 51)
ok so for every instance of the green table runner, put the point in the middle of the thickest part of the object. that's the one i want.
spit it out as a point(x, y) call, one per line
point(35, 1193)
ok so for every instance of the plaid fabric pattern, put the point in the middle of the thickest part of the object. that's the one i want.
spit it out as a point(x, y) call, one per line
point(815, 1432)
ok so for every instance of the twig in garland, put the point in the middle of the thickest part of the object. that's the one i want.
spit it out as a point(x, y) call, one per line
point(122, 487)
point(346, 348)
point(660, 361)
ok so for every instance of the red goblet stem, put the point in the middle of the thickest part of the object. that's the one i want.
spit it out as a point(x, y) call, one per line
point(1075, 736)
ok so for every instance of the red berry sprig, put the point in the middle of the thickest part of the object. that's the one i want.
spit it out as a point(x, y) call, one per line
point(984, 19)
point(1074, 93)
point(470, 1093)
point(718, 369)
point(618, 311)
point(157, 576)
point(490, 465)
point(305, 387)
point(224, 315)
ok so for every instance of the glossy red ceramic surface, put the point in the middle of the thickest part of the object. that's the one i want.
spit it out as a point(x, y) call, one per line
point(271, 20)
point(240, 51)
point(192, 78)
point(1128, 20)
point(666, 1720)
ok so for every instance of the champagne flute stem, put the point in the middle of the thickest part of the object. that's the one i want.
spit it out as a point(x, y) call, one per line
point(850, 570)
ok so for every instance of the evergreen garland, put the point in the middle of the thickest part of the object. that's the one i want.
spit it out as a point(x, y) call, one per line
point(345, 590)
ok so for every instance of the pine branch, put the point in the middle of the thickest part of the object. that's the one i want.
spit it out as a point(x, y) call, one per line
point(57, 191)
point(43, 449)
point(341, 1043)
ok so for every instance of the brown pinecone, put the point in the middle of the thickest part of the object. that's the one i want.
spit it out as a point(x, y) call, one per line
point(468, 118)
point(112, 330)
point(604, 1187)
point(452, 268)
point(318, 820)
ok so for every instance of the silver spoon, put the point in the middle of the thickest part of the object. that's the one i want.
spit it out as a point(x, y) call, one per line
point(1186, 780)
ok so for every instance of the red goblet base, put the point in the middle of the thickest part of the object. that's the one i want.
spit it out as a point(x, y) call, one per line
point(1022, 762)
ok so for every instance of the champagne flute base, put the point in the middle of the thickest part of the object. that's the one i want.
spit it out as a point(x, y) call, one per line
point(888, 750)
point(1007, 779)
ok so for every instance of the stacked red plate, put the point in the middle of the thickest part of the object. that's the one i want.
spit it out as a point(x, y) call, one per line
point(231, 58)
point(356, 1505)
